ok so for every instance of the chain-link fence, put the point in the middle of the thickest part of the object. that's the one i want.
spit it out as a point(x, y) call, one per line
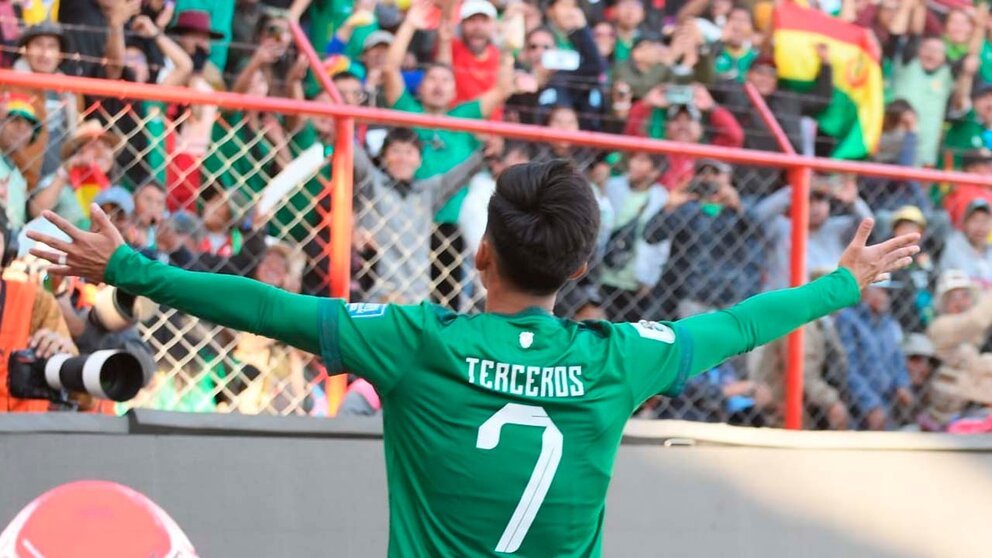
point(245, 192)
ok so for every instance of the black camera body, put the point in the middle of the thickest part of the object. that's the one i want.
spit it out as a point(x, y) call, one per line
point(703, 188)
point(109, 374)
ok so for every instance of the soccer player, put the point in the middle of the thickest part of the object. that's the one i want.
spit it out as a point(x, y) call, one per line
point(500, 428)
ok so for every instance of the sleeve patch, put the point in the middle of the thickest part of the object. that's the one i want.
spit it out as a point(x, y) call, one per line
point(360, 310)
point(656, 331)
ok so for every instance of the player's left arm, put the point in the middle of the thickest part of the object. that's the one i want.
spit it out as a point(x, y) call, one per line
point(766, 317)
point(669, 354)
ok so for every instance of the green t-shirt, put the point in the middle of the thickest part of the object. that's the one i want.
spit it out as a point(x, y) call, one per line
point(621, 51)
point(966, 134)
point(985, 59)
point(443, 150)
point(729, 65)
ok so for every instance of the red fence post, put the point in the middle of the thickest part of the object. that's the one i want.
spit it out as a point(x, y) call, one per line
point(799, 178)
point(339, 220)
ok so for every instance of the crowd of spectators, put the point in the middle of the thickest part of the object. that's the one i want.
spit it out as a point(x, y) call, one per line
point(679, 235)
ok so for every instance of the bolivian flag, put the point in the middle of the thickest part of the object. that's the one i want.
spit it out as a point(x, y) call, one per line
point(855, 113)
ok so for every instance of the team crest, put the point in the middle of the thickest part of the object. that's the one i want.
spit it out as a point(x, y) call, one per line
point(526, 339)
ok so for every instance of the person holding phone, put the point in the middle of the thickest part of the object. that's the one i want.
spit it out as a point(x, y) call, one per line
point(553, 76)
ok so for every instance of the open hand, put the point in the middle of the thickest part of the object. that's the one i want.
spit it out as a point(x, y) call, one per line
point(88, 254)
point(870, 264)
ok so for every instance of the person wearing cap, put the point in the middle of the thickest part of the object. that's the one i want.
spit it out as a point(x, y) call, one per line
point(631, 267)
point(442, 150)
point(118, 204)
point(194, 32)
point(87, 163)
point(959, 334)
point(973, 161)
point(912, 304)
point(472, 54)
point(827, 234)
point(42, 48)
point(921, 362)
point(967, 248)
point(877, 377)
point(18, 128)
point(708, 229)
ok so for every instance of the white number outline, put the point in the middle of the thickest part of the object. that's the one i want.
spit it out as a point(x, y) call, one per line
point(544, 470)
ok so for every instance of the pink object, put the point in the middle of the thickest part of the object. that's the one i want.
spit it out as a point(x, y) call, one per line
point(971, 426)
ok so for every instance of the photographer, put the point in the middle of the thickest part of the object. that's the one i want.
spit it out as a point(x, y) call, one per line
point(959, 334)
point(29, 319)
point(709, 230)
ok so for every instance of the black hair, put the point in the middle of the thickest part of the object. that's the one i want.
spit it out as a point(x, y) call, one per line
point(515, 146)
point(400, 135)
point(213, 190)
point(543, 223)
point(537, 30)
point(151, 183)
point(894, 112)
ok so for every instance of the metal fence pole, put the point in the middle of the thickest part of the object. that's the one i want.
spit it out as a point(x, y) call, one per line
point(799, 178)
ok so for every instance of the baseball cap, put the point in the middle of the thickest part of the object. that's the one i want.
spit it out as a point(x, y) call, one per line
point(977, 204)
point(718, 166)
point(950, 280)
point(377, 38)
point(918, 344)
point(909, 213)
point(982, 91)
point(116, 195)
point(477, 7)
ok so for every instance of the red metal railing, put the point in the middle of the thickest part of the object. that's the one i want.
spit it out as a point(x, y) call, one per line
point(339, 220)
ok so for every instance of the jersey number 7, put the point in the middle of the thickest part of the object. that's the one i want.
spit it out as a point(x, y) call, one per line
point(544, 470)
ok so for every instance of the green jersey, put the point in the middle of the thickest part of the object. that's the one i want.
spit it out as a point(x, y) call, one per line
point(500, 430)
point(525, 411)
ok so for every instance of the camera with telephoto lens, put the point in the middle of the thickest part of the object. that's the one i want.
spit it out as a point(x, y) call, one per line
point(115, 310)
point(110, 374)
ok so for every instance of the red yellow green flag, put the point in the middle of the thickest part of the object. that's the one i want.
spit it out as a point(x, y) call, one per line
point(856, 110)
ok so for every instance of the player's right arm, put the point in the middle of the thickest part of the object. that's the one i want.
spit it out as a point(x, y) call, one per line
point(373, 341)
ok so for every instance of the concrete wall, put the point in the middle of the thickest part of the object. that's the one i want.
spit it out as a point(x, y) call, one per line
point(254, 486)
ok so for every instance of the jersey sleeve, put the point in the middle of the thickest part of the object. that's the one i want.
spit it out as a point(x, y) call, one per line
point(373, 341)
point(657, 357)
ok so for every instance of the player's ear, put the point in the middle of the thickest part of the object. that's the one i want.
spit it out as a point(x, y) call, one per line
point(484, 256)
point(579, 272)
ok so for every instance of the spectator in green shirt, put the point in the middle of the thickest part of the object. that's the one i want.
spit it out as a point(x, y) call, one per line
point(629, 16)
point(442, 149)
point(973, 130)
point(735, 53)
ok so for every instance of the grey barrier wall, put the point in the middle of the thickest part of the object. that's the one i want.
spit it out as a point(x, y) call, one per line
point(272, 487)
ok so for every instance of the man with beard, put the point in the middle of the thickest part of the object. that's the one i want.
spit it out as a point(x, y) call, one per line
point(473, 57)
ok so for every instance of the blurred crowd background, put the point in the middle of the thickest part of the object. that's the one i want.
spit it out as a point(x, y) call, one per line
point(903, 82)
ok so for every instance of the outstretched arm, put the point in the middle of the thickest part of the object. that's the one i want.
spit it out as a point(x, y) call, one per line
point(235, 302)
point(720, 335)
